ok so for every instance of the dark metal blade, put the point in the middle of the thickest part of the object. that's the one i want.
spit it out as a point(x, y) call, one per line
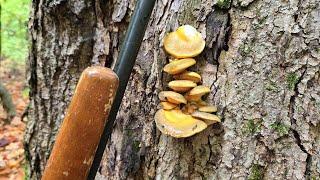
point(126, 61)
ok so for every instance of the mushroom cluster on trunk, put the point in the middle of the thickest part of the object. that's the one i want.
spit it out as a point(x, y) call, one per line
point(184, 113)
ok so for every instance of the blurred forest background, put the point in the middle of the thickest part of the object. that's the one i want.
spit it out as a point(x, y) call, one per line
point(14, 53)
point(14, 19)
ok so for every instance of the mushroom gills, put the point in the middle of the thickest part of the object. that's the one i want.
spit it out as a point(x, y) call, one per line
point(188, 75)
point(181, 85)
point(206, 117)
point(172, 97)
point(177, 124)
point(196, 93)
point(178, 66)
point(208, 109)
point(168, 106)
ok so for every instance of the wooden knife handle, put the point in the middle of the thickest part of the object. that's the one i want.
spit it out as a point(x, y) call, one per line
point(84, 122)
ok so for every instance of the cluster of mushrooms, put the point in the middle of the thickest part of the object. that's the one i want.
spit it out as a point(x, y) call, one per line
point(183, 112)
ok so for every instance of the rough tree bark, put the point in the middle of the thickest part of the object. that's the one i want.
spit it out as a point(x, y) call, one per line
point(261, 61)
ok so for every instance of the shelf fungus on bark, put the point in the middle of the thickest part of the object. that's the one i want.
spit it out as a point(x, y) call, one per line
point(172, 97)
point(177, 124)
point(196, 93)
point(178, 66)
point(206, 117)
point(188, 75)
point(183, 116)
point(186, 41)
point(208, 109)
point(167, 105)
point(181, 85)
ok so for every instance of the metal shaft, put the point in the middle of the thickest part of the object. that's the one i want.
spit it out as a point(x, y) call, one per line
point(126, 61)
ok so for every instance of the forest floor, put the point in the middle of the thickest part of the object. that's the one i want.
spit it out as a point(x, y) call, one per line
point(12, 75)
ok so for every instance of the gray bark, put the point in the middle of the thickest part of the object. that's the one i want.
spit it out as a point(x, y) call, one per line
point(265, 83)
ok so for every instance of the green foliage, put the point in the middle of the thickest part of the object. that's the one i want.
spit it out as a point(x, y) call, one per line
point(14, 17)
point(280, 128)
point(26, 172)
point(292, 80)
point(25, 92)
point(252, 127)
point(256, 172)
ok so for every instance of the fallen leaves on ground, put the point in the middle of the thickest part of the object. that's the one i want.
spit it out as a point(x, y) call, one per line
point(11, 135)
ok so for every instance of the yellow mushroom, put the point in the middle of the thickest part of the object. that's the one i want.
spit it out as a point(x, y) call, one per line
point(177, 124)
point(196, 93)
point(208, 109)
point(186, 41)
point(181, 85)
point(167, 105)
point(172, 97)
point(206, 117)
point(178, 66)
point(188, 75)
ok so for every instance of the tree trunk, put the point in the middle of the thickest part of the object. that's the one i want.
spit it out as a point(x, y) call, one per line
point(261, 61)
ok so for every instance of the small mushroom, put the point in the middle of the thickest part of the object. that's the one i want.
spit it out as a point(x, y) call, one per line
point(208, 109)
point(178, 66)
point(167, 105)
point(189, 108)
point(196, 93)
point(206, 117)
point(188, 75)
point(177, 124)
point(201, 103)
point(172, 97)
point(186, 41)
point(181, 85)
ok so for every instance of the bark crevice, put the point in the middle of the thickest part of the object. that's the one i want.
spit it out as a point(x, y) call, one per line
point(293, 123)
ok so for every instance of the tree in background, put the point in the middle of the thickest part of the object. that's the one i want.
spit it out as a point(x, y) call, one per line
point(265, 82)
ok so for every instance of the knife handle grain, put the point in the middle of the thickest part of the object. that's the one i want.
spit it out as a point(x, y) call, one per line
point(82, 127)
